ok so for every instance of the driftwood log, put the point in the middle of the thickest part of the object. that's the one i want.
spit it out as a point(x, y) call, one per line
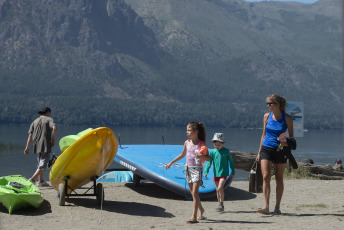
point(244, 161)
point(324, 171)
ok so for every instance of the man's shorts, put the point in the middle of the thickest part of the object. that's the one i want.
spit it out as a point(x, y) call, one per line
point(219, 178)
point(193, 174)
point(42, 160)
point(270, 154)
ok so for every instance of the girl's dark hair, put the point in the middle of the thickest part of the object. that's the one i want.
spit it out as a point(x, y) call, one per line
point(199, 126)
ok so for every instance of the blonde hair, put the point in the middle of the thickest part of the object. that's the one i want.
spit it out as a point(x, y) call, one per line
point(278, 100)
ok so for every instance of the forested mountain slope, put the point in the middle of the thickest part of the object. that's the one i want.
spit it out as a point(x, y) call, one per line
point(166, 62)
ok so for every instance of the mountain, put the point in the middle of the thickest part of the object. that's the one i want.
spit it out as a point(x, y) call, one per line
point(167, 62)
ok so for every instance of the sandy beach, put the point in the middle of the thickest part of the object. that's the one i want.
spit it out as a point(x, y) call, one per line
point(306, 204)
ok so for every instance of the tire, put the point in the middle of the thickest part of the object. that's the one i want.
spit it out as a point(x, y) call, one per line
point(136, 180)
point(61, 194)
point(100, 194)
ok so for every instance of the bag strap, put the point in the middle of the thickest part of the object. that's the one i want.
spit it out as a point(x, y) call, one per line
point(255, 164)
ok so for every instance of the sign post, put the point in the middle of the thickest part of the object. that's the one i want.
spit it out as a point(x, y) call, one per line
point(296, 110)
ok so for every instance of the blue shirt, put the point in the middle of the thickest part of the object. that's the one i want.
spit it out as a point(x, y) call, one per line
point(273, 130)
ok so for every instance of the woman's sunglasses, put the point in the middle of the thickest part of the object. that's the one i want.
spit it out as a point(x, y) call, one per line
point(270, 103)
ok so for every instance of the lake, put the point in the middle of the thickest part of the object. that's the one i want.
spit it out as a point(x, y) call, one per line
point(322, 146)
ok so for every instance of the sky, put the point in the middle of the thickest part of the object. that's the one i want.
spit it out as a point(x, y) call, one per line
point(304, 1)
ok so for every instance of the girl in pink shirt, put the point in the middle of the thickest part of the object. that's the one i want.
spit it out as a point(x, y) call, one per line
point(196, 152)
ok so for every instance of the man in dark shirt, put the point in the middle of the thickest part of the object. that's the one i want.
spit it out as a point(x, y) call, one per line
point(40, 133)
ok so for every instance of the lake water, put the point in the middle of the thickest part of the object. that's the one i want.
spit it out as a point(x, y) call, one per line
point(322, 146)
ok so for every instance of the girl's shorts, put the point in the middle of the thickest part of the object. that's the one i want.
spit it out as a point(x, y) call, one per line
point(193, 174)
point(270, 154)
point(219, 178)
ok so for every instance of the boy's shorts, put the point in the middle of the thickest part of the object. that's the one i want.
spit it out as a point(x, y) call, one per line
point(219, 178)
point(42, 160)
point(193, 174)
point(270, 154)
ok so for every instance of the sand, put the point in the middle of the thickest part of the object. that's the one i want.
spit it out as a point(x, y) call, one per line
point(306, 204)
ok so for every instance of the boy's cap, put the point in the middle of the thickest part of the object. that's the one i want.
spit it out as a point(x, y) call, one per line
point(338, 161)
point(218, 137)
point(44, 110)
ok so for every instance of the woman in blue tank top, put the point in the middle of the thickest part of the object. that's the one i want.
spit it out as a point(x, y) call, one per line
point(276, 122)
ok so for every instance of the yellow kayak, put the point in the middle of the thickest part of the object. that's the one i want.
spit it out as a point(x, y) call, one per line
point(84, 159)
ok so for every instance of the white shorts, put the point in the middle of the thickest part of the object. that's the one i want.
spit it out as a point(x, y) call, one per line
point(193, 174)
point(42, 160)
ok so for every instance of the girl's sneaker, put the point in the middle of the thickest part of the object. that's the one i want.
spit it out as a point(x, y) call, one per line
point(32, 181)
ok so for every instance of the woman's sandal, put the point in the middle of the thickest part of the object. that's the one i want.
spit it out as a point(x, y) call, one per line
point(264, 211)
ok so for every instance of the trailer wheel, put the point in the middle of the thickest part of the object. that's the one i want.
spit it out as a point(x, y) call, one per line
point(61, 194)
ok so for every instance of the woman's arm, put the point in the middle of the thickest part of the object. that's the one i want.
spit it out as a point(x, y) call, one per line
point(265, 119)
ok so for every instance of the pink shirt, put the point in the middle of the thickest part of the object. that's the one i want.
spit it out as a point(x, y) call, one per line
point(191, 159)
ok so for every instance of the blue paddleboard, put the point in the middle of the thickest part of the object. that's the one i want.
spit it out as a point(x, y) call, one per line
point(148, 161)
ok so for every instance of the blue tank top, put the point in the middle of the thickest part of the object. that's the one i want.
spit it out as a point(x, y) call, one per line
point(273, 130)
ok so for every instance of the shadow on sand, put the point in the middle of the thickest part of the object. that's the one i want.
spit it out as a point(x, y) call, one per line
point(30, 211)
point(232, 194)
point(211, 221)
point(128, 208)
point(153, 190)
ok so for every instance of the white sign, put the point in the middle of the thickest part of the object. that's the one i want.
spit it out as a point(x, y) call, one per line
point(296, 110)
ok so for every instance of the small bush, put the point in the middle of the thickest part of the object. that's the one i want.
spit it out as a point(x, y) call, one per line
point(300, 173)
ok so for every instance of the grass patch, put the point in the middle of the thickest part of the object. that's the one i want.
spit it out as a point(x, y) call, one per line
point(311, 206)
point(300, 173)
